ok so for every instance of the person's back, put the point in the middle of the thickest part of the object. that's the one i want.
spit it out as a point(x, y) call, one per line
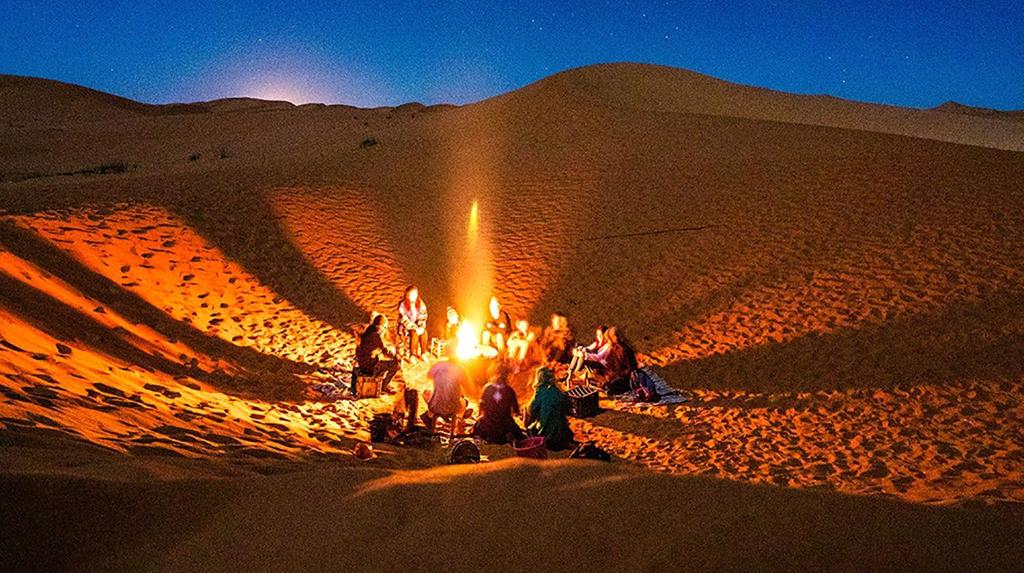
point(373, 357)
point(548, 412)
point(446, 398)
point(621, 361)
point(498, 407)
point(370, 343)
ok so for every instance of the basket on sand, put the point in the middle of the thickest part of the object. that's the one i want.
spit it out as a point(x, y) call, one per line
point(535, 447)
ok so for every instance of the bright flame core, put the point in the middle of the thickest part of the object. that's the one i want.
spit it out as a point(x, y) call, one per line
point(468, 341)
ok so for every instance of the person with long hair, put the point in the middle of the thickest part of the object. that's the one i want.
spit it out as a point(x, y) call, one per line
point(498, 407)
point(548, 412)
point(593, 356)
point(412, 316)
point(373, 357)
point(620, 362)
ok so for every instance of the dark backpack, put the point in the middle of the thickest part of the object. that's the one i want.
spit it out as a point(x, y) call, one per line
point(589, 451)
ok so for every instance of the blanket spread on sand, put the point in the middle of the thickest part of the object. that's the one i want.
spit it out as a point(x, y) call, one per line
point(666, 394)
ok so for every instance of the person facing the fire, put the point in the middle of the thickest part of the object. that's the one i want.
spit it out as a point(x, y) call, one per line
point(520, 342)
point(446, 399)
point(593, 356)
point(412, 316)
point(557, 341)
point(498, 407)
point(452, 323)
point(548, 412)
point(620, 362)
point(498, 326)
point(373, 357)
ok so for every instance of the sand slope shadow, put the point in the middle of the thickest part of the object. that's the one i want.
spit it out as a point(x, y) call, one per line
point(962, 341)
point(66, 323)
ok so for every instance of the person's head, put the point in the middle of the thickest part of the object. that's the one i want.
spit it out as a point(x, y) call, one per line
point(453, 315)
point(379, 321)
point(559, 321)
point(412, 294)
point(600, 333)
point(500, 373)
point(544, 376)
point(617, 337)
point(522, 326)
point(495, 307)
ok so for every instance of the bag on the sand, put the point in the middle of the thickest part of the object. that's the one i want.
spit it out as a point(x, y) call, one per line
point(643, 386)
point(617, 386)
point(589, 451)
point(464, 452)
point(384, 427)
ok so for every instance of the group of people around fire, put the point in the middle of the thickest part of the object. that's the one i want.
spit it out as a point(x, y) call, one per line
point(512, 349)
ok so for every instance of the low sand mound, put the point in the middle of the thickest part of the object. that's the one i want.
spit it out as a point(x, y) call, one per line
point(956, 107)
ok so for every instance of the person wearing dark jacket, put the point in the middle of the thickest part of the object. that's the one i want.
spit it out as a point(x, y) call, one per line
point(547, 414)
point(373, 357)
point(498, 407)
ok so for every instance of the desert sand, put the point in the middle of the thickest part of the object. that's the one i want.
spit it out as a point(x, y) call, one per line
point(838, 286)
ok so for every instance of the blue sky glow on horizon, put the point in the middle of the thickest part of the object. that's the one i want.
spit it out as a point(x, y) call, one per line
point(916, 52)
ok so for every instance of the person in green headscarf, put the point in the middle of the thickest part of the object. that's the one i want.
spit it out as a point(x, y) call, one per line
point(547, 412)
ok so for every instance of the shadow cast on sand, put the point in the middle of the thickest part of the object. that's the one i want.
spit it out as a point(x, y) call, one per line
point(234, 214)
point(63, 322)
point(981, 339)
point(245, 227)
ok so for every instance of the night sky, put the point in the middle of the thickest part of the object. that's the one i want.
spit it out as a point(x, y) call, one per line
point(906, 52)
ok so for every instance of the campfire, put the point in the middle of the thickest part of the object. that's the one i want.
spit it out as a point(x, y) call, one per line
point(468, 345)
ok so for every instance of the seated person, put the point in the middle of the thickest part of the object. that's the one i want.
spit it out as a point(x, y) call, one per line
point(497, 328)
point(519, 341)
point(593, 356)
point(451, 327)
point(548, 411)
point(498, 407)
point(620, 362)
point(412, 316)
point(557, 340)
point(446, 400)
point(371, 349)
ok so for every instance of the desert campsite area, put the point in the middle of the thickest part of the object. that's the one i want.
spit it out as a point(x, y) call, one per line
point(740, 327)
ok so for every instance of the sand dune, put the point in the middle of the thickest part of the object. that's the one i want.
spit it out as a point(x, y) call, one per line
point(837, 285)
point(665, 89)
